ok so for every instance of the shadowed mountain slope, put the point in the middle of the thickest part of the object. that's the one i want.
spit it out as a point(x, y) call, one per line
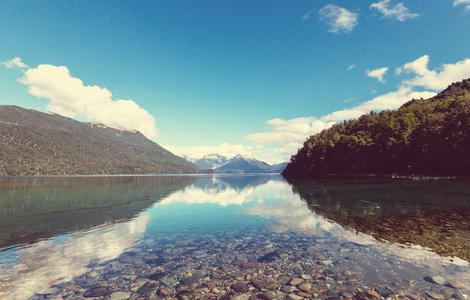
point(36, 143)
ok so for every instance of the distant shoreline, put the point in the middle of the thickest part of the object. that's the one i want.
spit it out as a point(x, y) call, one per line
point(362, 175)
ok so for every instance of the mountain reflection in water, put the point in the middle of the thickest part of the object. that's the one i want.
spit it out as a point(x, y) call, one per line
point(37, 208)
point(75, 229)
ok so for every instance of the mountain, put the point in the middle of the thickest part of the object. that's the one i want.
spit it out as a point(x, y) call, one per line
point(36, 143)
point(278, 168)
point(422, 137)
point(211, 161)
point(244, 164)
point(236, 164)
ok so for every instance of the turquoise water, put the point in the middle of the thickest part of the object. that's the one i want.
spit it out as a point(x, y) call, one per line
point(54, 227)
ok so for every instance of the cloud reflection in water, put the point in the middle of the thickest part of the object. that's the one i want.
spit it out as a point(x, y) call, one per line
point(60, 259)
point(293, 214)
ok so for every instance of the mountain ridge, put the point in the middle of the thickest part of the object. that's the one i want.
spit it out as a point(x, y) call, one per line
point(237, 164)
point(210, 161)
point(37, 143)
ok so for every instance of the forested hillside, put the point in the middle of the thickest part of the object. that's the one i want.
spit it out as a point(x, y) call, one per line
point(36, 143)
point(424, 137)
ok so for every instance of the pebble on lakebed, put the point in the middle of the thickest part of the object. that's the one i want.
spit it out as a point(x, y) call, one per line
point(239, 265)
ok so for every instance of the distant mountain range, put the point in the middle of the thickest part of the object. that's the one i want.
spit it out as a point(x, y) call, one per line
point(237, 164)
point(210, 161)
point(37, 143)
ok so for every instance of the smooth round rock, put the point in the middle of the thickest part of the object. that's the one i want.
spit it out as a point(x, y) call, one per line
point(457, 285)
point(304, 286)
point(294, 297)
point(266, 296)
point(438, 280)
point(119, 296)
point(240, 297)
point(295, 281)
point(240, 287)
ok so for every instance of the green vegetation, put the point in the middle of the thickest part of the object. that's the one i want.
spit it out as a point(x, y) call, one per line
point(425, 137)
point(36, 143)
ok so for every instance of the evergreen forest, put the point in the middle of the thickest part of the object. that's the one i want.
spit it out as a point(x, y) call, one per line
point(423, 137)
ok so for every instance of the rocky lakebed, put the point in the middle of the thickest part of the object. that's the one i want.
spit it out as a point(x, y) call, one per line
point(261, 264)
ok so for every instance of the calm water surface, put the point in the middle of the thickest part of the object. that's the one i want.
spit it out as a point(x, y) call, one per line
point(70, 236)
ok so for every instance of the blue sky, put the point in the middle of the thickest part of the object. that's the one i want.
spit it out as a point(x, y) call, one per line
point(249, 77)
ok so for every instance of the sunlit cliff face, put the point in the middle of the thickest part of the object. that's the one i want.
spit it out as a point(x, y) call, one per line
point(60, 259)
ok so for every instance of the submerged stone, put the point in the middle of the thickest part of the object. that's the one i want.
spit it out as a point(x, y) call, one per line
point(119, 296)
point(436, 280)
point(240, 287)
point(295, 281)
point(49, 291)
point(304, 286)
point(96, 292)
point(270, 257)
point(157, 276)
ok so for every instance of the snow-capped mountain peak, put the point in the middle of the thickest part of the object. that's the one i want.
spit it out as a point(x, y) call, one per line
point(237, 164)
point(244, 157)
point(211, 161)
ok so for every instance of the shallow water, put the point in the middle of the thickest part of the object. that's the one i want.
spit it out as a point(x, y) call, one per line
point(76, 237)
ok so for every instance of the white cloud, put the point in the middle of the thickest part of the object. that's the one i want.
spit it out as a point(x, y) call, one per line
point(392, 100)
point(70, 97)
point(197, 152)
point(429, 79)
point(351, 67)
point(307, 15)
point(399, 11)
point(288, 135)
point(435, 80)
point(419, 66)
point(285, 131)
point(15, 62)
point(464, 2)
point(377, 73)
point(338, 18)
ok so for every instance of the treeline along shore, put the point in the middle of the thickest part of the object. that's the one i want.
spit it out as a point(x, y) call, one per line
point(429, 137)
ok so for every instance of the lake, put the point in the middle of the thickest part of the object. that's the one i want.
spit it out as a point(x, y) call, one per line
point(233, 237)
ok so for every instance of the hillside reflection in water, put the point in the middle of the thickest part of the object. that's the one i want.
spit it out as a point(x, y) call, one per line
point(190, 207)
point(434, 214)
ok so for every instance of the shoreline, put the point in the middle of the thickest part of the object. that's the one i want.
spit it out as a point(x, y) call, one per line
point(376, 175)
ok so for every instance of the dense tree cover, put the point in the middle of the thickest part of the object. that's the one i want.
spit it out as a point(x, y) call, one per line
point(426, 137)
point(35, 143)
